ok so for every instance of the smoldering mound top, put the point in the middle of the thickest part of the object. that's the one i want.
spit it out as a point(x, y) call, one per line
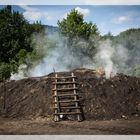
point(101, 98)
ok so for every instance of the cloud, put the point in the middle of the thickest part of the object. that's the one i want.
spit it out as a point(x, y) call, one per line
point(33, 14)
point(121, 19)
point(85, 12)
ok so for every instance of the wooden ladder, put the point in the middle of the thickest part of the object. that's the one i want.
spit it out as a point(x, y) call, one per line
point(65, 96)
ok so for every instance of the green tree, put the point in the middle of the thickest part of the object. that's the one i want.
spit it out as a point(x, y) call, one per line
point(130, 40)
point(108, 36)
point(134, 71)
point(4, 71)
point(15, 38)
point(79, 35)
point(74, 27)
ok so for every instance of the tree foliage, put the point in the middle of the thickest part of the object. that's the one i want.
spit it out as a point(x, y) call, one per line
point(75, 27)
point(79, 34)
point(15, 38)
point(5, 71)
point(128, 41)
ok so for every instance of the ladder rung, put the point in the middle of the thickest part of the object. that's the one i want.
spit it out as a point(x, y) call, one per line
point(67, 101)
point(61, 95)
point(64, 89)
point(63, 83)
point(70, 107)
point(67, 77)
point(67, 113)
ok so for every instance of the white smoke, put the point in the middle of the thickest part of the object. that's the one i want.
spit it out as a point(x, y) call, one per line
point(58, 56)
point(111, 58)
point(50, 62)
point(20, 73)
point(104, 57)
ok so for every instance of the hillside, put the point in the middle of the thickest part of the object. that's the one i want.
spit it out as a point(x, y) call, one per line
point(50, 29)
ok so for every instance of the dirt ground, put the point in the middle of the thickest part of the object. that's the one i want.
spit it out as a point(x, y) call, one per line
point(44, 126)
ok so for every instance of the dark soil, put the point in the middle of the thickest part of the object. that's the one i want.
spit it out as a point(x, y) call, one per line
point(101, 99)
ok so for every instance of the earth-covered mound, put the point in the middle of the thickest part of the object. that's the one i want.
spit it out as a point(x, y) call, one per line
point(101, 98)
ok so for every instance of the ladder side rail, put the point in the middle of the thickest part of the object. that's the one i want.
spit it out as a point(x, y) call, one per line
point(75, 97)
point(56, 117)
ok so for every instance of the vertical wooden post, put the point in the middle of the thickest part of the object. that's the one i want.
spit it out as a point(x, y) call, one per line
point(56, 117)
point(75, 96)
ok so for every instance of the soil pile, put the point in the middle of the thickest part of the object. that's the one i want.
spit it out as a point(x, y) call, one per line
point(117, 97)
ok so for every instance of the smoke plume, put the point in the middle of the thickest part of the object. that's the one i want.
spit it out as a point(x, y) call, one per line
point(57, 55)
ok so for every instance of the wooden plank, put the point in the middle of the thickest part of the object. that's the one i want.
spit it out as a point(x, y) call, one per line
point(67, 113)
point(65, 89)
point(67, 101)
point(64, 83)
point(69, 107)
point(67, 77)
point(61, 95)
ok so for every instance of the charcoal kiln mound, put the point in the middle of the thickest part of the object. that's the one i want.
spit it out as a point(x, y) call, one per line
point(100, 98)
